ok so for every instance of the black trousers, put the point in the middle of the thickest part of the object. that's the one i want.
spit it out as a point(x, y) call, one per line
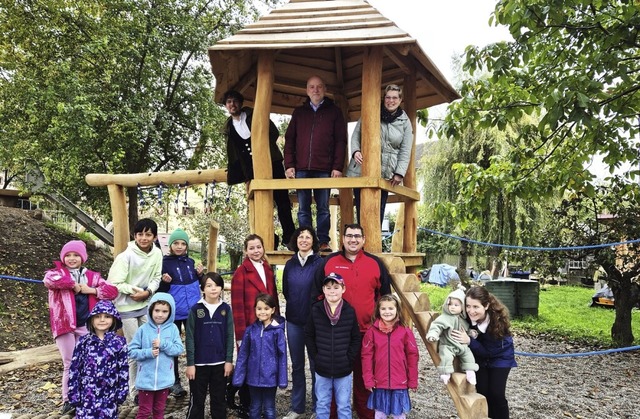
point(211, 379)
point(492, 384)
point(283, 204)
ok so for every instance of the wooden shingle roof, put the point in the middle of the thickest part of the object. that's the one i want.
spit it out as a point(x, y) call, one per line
point(326, 38)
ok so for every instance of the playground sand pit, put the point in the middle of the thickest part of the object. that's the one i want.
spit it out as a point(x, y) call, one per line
point(577, 387)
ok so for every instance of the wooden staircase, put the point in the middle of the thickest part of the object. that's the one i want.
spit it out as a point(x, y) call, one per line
point(415, 305)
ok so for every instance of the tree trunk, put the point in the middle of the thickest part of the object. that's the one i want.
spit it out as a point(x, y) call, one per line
point(462, 264)
point(234, 259)
point(132, 194)
point(621, 285)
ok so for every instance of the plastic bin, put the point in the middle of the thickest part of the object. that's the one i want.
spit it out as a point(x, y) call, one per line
point(520, 296)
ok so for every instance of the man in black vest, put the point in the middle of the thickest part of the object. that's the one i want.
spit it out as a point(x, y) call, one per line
point(237, 130)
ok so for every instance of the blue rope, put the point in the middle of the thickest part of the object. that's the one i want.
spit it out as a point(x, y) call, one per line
point(17, 278)
point(604, 352)
point(509, 246)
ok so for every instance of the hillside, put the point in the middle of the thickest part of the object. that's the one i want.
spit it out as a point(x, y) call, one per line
point(28, 247)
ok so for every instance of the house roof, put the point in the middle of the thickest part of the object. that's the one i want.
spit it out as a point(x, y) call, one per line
point(326, 38)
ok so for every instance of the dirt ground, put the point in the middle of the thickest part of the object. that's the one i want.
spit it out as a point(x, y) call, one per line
point(602, 386)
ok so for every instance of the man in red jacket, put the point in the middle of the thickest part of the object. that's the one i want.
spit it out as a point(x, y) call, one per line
point(366, 279)
point(315, 145)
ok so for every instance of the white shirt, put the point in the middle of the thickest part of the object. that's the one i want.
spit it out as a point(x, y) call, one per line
point(241, 126)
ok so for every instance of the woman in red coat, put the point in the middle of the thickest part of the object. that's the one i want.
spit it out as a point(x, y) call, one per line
point(253, 277)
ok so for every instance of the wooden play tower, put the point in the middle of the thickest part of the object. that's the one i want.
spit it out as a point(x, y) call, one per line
point(357, 51)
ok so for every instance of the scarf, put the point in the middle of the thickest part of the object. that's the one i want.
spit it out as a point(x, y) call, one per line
point(333, 317)
point(389, 117)
point(384, 328)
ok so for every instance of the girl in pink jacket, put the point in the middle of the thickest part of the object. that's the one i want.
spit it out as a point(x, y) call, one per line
point(73, 291)
point(389, 361)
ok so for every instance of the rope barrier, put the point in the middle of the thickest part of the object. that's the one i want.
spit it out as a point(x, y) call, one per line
point(510, 246)
point(17, 278)
point(578, 354)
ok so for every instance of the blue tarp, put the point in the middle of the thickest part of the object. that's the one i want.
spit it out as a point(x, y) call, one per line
point(442, 273)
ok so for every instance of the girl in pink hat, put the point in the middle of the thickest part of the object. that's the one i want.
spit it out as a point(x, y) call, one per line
point(73, 292)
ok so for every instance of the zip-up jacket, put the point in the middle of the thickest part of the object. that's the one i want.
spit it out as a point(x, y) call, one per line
point(133, 269)
point(333, 348)
point(209, 336)
point(184, 285)
point(389, 360)
point(156, 373)
point(62, 302)
point(316, 140)
point(490, 352)
point(262, 358)
point(366, 279)
point(297, 282)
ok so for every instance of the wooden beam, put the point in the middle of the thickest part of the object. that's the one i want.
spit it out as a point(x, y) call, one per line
point(410, 227)
point(260, 148)
point(118, 200)
point(174, 177)
point(370, 145)
point(212, 252)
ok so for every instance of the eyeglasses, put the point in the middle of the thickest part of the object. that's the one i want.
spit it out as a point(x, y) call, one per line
point(391, 98)
point(354, 236)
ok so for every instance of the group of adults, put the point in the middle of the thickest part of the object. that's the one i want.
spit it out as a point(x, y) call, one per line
point(315, 147)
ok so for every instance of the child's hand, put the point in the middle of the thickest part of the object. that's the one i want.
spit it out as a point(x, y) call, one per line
point(228, 369)
point(156, 343)
point(414, 390)
point(155, 352)
point(141, 295)
point(85, 289)
point(166, 277)
point(199, 269)
point(191, 372)
point(77, 288)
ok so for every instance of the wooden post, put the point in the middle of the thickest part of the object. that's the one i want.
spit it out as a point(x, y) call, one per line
point(263, 200)
point(410, 227)
point(370, 144)
point(118, 200)
point(212, 253)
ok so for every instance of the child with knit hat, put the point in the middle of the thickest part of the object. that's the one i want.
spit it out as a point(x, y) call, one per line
point(453, 317)
point(73, 292)
point(180, 278)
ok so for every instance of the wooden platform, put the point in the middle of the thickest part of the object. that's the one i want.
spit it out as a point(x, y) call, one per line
point(410, 260)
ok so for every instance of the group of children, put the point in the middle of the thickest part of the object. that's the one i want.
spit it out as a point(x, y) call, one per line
point(153, 300)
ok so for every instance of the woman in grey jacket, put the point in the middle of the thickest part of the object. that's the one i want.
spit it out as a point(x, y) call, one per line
point(396, 140)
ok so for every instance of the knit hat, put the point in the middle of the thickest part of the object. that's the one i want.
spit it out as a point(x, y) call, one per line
point(179, 234)
point(77, 246)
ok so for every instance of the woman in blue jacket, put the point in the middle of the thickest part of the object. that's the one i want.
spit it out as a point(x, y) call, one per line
point(297, 280)
point(491, 342)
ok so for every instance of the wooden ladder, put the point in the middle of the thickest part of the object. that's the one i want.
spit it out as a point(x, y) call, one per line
point(415, 305)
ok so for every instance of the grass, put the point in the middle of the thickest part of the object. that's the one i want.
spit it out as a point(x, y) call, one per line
point(563, 313)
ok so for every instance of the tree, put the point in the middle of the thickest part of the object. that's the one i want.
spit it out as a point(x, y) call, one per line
point(574, 67)
point(116, 86)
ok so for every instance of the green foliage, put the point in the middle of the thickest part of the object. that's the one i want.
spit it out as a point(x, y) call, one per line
point(112, 86)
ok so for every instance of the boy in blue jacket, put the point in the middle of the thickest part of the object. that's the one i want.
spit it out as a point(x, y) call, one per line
point(154, 347)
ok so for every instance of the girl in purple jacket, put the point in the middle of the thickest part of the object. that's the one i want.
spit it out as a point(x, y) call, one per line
point(73, 292)
point(389, 361)
point(262, 359)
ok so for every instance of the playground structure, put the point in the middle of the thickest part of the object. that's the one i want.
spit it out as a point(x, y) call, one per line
point(356, 51)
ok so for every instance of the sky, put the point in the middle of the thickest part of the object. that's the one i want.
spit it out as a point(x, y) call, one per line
point(444, 27)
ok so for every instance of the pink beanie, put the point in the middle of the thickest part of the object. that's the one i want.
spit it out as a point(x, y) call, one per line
point(77, 246)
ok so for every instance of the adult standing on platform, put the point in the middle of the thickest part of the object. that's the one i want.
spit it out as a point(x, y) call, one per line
point(237, 130)
point(366, 279)
point(315, 144)
point(396, 140)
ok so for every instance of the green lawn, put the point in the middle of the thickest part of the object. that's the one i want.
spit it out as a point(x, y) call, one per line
point(563, 312)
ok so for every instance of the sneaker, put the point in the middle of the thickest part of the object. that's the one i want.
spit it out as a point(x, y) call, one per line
point(177, 390)
point(324, 247)
point(292, 415)
point(67, 409)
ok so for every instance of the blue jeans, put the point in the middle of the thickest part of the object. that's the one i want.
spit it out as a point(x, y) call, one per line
point(263, 400)
point(321, 196)
point(340, 388)
point(295, 338)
